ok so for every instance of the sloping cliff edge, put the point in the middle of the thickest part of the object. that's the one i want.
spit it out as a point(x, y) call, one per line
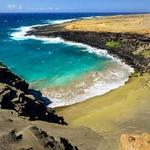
point(25, 122)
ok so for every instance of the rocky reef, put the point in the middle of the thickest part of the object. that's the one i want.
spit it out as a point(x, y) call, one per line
point(127, 46)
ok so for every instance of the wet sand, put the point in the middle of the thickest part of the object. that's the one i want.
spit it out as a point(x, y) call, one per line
point(122, 110)
point(89, 85)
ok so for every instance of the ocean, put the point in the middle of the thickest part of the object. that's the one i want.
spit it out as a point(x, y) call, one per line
point(65, 72)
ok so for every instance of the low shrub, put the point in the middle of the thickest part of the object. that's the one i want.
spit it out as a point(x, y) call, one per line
point(113, 44)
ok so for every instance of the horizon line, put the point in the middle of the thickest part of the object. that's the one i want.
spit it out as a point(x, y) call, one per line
point(85, 12)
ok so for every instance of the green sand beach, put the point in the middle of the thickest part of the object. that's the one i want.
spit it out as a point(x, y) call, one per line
point(123, 110)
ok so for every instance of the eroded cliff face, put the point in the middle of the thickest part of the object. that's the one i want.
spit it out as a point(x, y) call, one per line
point(25, 122)
point(15, 95)
point(135, 142)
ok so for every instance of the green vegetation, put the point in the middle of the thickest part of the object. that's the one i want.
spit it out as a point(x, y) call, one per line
point(146, 53)
point(113, 44)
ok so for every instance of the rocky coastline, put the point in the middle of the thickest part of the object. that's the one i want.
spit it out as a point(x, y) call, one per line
point(21, 109)
point(27, 124)
point(16, 95)
point(127, 46)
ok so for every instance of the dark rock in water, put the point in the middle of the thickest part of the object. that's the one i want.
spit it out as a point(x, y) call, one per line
point(15, 95)
point(7, 77)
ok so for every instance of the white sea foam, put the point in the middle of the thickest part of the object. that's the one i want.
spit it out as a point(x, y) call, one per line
point(68, 20)
point(59, 21)
point(111, 79)
point(20, 34)
point(91, 17)
point(120, 74)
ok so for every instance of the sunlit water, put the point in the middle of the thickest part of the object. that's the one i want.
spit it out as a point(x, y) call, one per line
point(64, 71)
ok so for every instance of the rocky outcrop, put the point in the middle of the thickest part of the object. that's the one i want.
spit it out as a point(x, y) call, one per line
point(24, 137)
point(135, 142)
point(16, 140)
point(15, 95)
point(49, 142)
point(129, 43)
point(11, 79)
point(26, 123)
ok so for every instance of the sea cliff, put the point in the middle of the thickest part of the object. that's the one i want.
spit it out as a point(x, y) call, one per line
point(26, 123)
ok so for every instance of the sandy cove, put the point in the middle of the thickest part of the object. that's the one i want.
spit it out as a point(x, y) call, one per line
point(123, 110)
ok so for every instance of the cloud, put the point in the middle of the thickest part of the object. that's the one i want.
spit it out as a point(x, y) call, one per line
point(20, 7)
point(14, 7)
point(11, 6)
point(47, 9)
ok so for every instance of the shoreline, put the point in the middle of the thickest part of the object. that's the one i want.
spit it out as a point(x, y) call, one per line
point(127, 46)
point(122, 110)
point(125, 43)
point(60, 102)
point(26, 122)
point(94, 84)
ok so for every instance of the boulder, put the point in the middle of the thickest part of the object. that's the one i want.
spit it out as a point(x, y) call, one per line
point(135, 142)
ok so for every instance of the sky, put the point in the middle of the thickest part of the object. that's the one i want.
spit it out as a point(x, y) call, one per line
point(74, 5)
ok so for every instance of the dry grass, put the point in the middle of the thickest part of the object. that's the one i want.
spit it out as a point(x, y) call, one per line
point(131, 23)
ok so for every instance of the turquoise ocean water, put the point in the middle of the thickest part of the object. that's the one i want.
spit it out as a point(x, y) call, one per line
point(50, 64)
